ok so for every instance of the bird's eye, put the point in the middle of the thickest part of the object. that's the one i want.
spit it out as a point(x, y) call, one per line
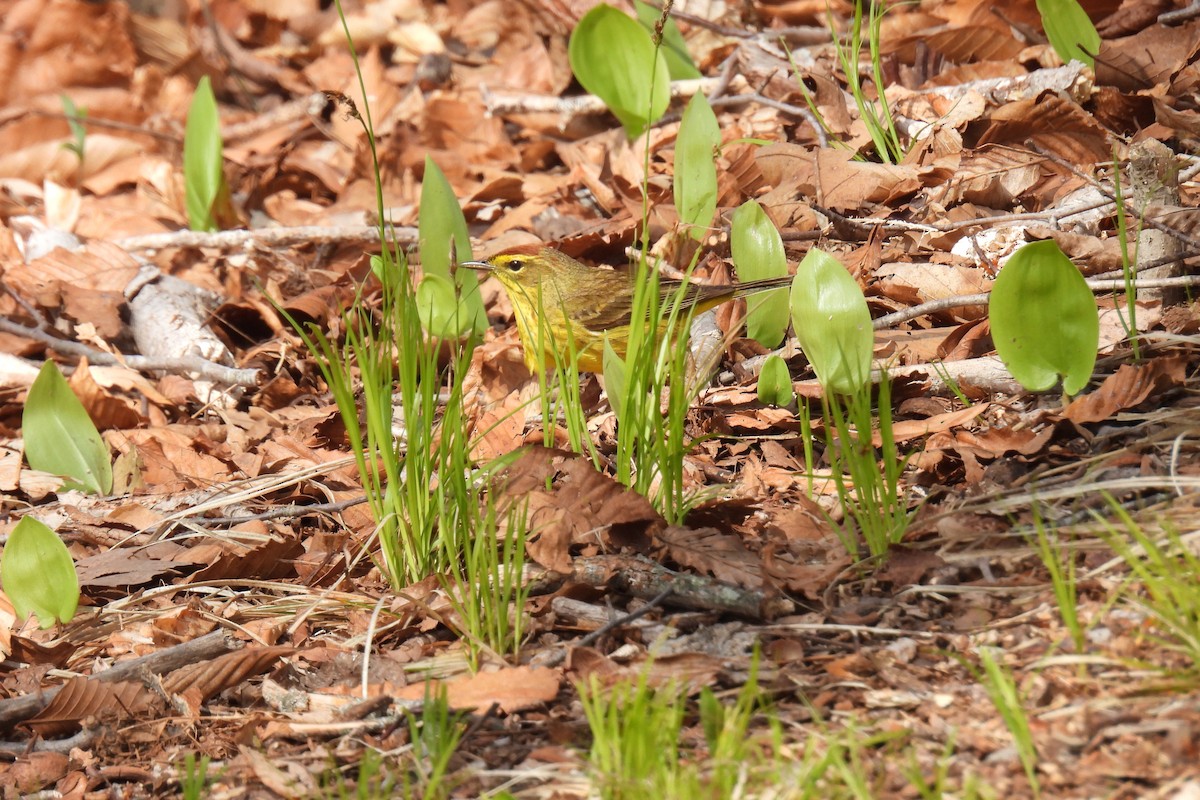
point(515, 265)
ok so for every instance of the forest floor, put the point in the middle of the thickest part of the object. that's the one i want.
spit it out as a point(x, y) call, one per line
point(230, 589)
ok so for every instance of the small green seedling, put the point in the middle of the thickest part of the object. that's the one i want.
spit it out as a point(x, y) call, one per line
point(616, 60)
point(775, 383)
point(1070, 30)
point(695, 180)
point(832, 323)
point(450, 307)
point(60, 437)
point(75, 117)
point(207, 194)
point(1044, 319)
point(38, 574)
point(757, 250)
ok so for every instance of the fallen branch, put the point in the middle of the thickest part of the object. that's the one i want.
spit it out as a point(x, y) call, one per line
point(648, 580)
point(205, 648)
point(958, 301)
point(218, 373)
point(267, 237)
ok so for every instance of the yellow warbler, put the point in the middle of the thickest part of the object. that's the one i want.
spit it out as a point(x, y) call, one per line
point(578, 305)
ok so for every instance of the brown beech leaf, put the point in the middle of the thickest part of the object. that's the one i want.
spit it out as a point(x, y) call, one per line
point(125, 566)
point(582, 507)
point(1129, 386)
point(808, 578)
point(205, 679)
point(271, 560)
point(512, 688)
point(713, 552)
point(81, 698)
point(906, 566)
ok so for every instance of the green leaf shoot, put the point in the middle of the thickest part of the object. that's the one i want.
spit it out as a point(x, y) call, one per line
point(775, 383)
point(1070, 30)
point(614, 58)
point(757, 250)
point(443, 236)
point(60, 437)
point(203, 164)
point(695, 179)
point(832, 322)
point(1044, 320)
point(38, 574)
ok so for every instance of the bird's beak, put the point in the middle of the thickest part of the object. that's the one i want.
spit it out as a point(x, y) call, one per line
point(476, 265)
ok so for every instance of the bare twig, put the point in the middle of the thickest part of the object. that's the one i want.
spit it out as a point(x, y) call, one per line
point(283, 511)
point(558, 656)
point(958, 301)
point(267, 237)
point(205, 648)
point(1147, 219)
point(1181, 15)
point(206, 369)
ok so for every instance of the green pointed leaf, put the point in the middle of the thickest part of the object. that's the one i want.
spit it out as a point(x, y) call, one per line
point(60, 437)
point(1070, 30)
point(442, 224)
point(674, 48)
point(695, 181)
point(832, 323)
point(615, 380)
point(775, 383)
point(757, 250)
point(614, 59)
point(38, 574)
point(1044, 320)
point(203, 166)
point(444, 314)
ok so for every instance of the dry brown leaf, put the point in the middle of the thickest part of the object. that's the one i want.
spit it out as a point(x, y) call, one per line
point(713, 552)
point(785, 569)
point(905, 566)
point(691, 671)
point(106, 409)
point(1053, 123)
point(995, 442)
point(1130, 386)
point(30, 773)
point(126, 567)
point(834, 178)
point(584, 507)
point(82, 697)
point(511, 688)
point(913, 428)
point(274, 559)
point(206, 679)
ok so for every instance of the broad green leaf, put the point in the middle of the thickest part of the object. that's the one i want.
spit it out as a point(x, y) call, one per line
point(1044, 320)
point(695, 181)
point(442, 224)
point(444, 313)
point(1070, 30)
point(203, 172)
point(614, 59)
point(615, 380)
point(38, 574)
point(60, 437)
point(674, 48)
point(757, 250)
point(775, 383)
point(832, 323)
